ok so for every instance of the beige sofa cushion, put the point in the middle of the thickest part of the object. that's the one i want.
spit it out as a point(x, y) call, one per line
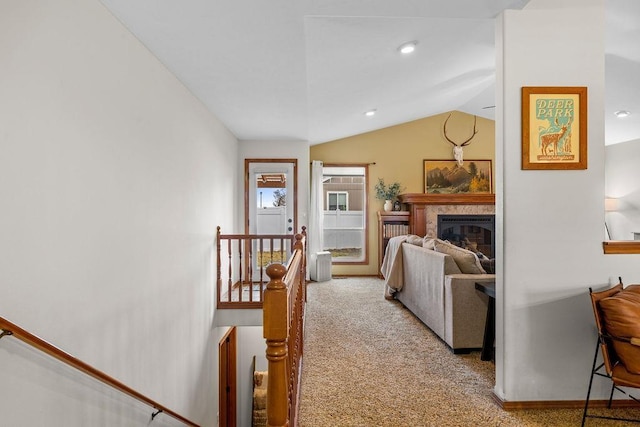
point(467, 261)
point(450, 266)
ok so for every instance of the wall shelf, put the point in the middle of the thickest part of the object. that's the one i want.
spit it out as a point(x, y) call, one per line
point(621, 247)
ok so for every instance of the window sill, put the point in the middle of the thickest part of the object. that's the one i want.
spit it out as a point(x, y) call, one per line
point(621, 247)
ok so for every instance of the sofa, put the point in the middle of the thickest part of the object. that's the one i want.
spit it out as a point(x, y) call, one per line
point(430, 278)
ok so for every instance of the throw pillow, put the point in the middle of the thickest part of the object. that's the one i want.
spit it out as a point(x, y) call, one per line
point(488, 265)
point(429, 243)
point(621, 317)
point(467, 261)
point(414, 240)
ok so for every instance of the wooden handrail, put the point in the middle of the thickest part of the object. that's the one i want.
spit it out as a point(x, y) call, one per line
point(11, 329)
point(283, 320)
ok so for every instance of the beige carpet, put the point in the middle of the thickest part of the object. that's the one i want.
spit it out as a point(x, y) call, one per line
point(370, 362)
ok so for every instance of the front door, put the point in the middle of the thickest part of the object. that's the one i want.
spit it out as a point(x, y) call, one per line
point(270, 202)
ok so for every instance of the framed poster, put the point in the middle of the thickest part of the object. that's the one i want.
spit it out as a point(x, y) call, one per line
point(554, 128)
point(448, 177)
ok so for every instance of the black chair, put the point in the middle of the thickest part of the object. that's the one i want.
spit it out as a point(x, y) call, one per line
point(611, 366)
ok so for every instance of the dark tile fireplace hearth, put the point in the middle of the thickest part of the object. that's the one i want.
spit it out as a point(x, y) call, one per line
point(473, 232)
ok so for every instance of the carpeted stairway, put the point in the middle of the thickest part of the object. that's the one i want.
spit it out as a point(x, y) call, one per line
point(370, 362)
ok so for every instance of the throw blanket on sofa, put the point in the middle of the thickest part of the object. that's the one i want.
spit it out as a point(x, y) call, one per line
point(392, 265)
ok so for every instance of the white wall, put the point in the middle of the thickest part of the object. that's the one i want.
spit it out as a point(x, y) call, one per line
point(112, 178)
point(622, 182)
point(550, 223)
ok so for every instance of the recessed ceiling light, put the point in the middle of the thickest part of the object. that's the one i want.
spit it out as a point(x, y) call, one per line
point(370, 113)
point(622, 113)
point(407, 47)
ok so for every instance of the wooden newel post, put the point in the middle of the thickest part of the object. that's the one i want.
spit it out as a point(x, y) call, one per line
point(275, 324)
point(298, 243)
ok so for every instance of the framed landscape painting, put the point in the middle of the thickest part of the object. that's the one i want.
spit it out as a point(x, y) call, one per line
point(448, 177)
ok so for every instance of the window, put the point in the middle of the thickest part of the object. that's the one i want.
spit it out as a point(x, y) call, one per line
point(337, 200)
point(345, 214)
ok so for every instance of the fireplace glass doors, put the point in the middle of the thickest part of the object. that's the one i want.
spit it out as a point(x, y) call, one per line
point(473, 232)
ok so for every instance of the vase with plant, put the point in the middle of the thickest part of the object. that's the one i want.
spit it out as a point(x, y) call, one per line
point(388, 193)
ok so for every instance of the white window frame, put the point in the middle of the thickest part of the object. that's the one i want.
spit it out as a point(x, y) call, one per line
point(338, 194)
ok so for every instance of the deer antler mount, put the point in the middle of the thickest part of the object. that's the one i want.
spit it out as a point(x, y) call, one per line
point(457, 148)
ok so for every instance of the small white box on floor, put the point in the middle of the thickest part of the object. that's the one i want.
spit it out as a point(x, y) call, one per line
point(320, 266)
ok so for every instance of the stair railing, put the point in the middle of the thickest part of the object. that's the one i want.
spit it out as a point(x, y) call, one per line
point(11, 329)
point(242, 261)
point(283, 320)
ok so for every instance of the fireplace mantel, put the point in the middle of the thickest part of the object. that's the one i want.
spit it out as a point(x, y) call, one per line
point(424, 208)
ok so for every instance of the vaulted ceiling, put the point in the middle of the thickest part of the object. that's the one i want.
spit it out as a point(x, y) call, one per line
point(308, 70)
